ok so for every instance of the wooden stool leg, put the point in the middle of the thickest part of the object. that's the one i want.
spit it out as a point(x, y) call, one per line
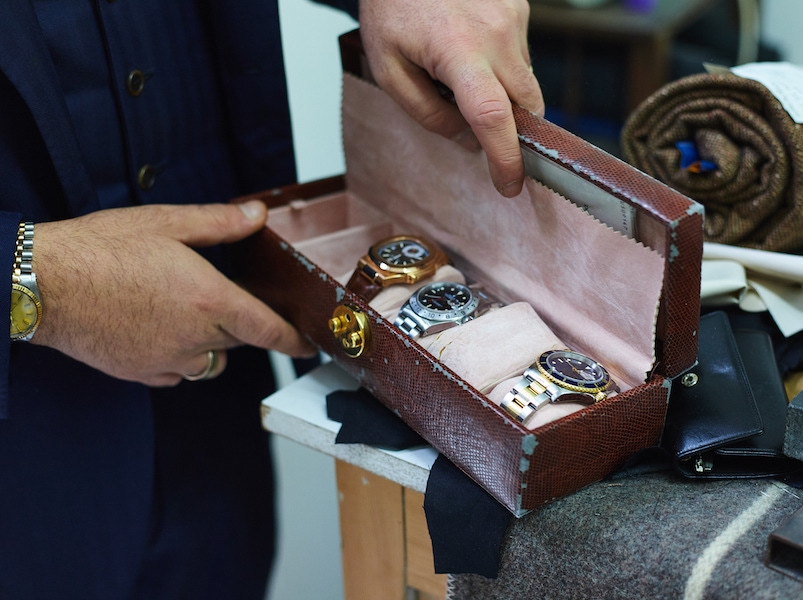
point(420, 566)
point(372, 533)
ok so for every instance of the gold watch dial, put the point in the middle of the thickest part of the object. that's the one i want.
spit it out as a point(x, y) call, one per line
point(403, 252)
point(26, 310)
point(407, 255)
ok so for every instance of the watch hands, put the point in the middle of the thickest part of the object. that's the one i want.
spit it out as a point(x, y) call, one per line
point(581, 374)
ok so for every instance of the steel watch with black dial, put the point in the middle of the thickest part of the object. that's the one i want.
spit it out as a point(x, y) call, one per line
point(394, 260)
point(558, 376)
point(440, 305)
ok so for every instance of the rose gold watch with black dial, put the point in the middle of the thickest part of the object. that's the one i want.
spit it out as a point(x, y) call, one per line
point(399, 259)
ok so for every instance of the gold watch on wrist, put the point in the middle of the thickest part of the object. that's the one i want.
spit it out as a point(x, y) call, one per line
point(26, 304)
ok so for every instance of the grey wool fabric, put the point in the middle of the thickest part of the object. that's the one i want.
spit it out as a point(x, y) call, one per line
point(646, 536)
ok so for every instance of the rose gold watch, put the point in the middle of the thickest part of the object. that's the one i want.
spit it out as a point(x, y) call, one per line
point(395, 260)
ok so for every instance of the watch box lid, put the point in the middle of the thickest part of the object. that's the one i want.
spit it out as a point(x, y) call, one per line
point(614, 192)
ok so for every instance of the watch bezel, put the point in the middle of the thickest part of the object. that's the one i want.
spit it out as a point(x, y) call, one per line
point(28, 331)
point(425, 267)
point(454, 315)
point(573, 383)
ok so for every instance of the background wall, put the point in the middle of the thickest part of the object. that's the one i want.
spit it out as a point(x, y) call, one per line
point(781, 22)
point(309, 564)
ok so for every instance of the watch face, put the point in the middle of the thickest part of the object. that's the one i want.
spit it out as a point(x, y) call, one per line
point(402, 252)
point(26, 310)
point(444, 301)
point(574, 371)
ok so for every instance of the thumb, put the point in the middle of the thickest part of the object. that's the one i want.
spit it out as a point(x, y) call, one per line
point(250, 321)
point(199, 225)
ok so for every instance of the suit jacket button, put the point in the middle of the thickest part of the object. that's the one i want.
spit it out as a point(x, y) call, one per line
point(135, 82)
point(146, 177)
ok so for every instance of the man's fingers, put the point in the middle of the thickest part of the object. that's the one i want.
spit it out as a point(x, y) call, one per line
point(504, 157)
point(244, 318)
point(482, 116)
point(486, 106)
point(478, 49)
point(414, 90)
point(523, 88)
point(252, 322)
point(197, 225)
point(211, 224)
point(208, 365)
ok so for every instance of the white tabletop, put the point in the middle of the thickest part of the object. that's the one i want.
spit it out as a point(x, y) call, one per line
point(298, 412)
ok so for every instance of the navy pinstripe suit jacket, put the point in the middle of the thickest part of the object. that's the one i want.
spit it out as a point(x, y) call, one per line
point(100, 479)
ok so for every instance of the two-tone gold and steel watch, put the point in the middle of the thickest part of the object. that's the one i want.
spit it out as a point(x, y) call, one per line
point(558, 376)
point(26, 304)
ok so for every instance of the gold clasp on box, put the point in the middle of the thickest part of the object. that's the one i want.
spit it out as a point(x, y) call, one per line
point(351, 329)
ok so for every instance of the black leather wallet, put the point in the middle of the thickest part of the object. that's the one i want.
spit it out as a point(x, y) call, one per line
point(727, 415)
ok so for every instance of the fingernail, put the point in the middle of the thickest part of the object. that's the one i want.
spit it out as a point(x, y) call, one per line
point(510, 189)
point(253, 210)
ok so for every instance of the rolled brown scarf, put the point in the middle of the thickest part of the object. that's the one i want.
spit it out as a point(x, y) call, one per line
point(753, 196)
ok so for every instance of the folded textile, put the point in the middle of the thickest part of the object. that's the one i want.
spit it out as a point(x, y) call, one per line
point(367, 421)
point(466, 525)
point(728, 143)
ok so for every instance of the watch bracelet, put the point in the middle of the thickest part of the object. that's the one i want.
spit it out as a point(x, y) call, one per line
point(408, 324)
point(526, 397)
point(23, 255)
point(23, 280)
point(535, 390)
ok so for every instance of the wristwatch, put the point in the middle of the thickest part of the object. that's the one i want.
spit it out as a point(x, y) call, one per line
point(394, 260)
point(440, 305)
point(558, 376)
point(26, 305)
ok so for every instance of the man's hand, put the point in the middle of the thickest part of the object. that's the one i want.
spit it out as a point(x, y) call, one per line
point(478, 49)
point(124, 292)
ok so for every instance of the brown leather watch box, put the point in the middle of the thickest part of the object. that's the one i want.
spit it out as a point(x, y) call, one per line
point(602, 257)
